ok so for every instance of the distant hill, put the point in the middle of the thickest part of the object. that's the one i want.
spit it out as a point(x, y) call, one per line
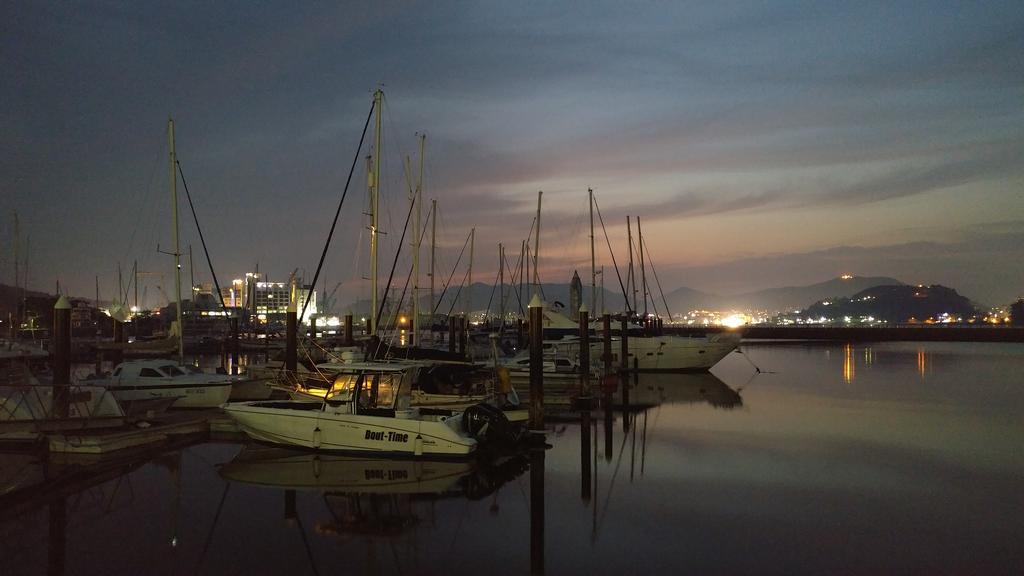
point(685, 299)
point(896, 304)
point(797, 297)
point(10, 296)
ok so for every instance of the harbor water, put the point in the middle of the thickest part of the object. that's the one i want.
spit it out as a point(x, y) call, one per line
point(790, 458)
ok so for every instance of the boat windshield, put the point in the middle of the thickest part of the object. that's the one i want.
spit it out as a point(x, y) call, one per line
point(343, 388)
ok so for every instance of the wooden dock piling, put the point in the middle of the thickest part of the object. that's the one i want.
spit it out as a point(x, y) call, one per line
point(61, 359)
point(536, 366)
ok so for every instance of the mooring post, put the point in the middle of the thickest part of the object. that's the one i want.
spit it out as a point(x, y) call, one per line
point(290, 513)
point(606, 322)
point(312, 327)
point(291, 339)
point(585, 395)
point(463, 336)
point(451, 333)
point(625, 395)
point(233, 346)
point(348, 329)
point(117, 356)
point(61, 362)
point(536, 366)
point(586, 472)
point(624, 356)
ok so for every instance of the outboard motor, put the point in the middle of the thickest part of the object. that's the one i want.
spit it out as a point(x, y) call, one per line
point(488, 424)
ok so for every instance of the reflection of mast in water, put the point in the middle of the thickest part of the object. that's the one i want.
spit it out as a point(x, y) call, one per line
point(537, 509)
point(849, 364)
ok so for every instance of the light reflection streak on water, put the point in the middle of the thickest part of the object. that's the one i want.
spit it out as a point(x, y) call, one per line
point(849, 364)
point(922, 362)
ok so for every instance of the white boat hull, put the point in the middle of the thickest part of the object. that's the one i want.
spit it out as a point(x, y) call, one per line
point(314, 428)
point(672, 353)
point(209, 395)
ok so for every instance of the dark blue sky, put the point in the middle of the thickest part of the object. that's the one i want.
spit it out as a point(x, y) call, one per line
point(762, 144)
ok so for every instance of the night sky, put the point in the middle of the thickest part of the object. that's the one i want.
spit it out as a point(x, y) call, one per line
point(761, 144)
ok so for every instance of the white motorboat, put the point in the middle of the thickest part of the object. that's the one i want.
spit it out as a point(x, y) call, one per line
point(143, 379)
point(668, 353)
point(672, 353)
point(369, 411)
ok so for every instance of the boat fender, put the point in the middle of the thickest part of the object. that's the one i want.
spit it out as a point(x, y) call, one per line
point(418, 446)
point(316, 437)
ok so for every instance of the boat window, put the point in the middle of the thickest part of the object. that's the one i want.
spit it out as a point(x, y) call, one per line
point(171, 370)
point(343, 387)
point(387, 386)
point(150, 373)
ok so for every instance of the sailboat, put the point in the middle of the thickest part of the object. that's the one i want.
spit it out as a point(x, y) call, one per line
point(368, 408)
point(135, 380)
point(647, 352)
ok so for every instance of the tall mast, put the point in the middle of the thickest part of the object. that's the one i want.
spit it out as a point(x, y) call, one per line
point(536, 247)
point(177, 243)
point(501, 285)
point(631, 284)
point(643, 273)
point(416, 251)
point(374, 205)
point(191, 276)
point(433, 249)
point(522, 278)
point(469, 287)
point(135, 280)
point(593, 260)
point(17, 242)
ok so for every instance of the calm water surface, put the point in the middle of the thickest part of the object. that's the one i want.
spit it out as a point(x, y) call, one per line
point(864, 459)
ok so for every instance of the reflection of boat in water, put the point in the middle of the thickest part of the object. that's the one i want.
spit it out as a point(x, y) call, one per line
point(669, 388)
point(290, 469)
point(299, 470)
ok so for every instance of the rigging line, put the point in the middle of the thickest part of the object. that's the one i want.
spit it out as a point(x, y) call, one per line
point(330, 235)
point(515, 283)
point(658, 282)
point(394, 264)
point(450, 276)
point(209, 262)
point(394, 318)
point(149, 186)
point(487, 312)
point(512, 281)
point(455, 299)
point(612, 252)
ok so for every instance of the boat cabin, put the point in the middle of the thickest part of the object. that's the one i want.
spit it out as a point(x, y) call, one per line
point(373, 391)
